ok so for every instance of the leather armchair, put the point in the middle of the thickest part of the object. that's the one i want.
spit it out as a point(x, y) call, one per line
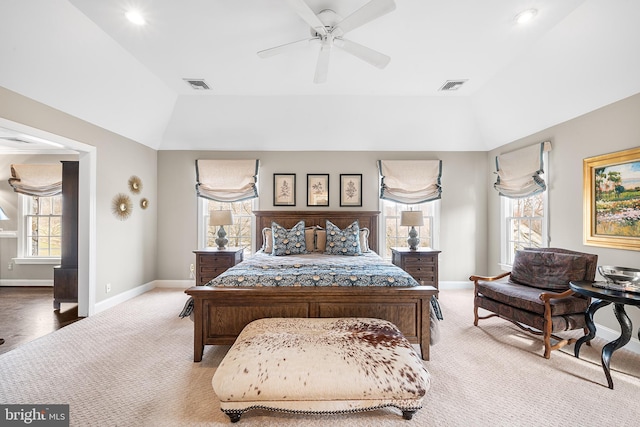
point(535, 295)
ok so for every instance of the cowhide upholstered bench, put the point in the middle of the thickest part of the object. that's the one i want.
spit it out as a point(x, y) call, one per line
point(320, 366)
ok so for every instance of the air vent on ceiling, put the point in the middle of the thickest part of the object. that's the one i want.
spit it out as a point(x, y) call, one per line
point(452, 85)
point(197, 84)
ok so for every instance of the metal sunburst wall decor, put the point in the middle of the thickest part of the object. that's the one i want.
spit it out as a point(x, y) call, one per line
point(144, 203)
point(135, 184)
point(121, 206)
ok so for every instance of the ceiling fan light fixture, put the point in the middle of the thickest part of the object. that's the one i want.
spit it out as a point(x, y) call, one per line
point(135, 17)
point(525, 16)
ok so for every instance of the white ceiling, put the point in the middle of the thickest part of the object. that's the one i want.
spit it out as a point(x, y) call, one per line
point(84, 58)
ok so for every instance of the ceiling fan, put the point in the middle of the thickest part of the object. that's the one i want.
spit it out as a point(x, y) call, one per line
point(328, 29)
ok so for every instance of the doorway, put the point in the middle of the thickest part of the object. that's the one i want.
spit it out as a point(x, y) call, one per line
point(86, 209)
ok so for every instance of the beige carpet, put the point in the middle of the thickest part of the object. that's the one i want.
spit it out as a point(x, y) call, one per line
point(132, 366)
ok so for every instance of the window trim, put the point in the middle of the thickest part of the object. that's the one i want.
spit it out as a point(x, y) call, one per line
point(21, 246)
point(435, 226)
point(203, 228)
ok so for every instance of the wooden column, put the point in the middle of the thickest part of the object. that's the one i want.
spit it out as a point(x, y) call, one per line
point(65, 276)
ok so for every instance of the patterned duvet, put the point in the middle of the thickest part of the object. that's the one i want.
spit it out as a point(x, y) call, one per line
point(314, 270)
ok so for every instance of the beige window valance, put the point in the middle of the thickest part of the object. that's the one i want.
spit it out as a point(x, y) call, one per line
point(520, 172)
point(227, 180)
point(42, 180)
point(410, 181)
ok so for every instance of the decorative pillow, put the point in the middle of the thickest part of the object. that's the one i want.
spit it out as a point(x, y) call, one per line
point(288, 242)
point(267, 240)
point(364, 240)
point(321, 240)
point(547, 270)
point(309, 238)
point(343, 242)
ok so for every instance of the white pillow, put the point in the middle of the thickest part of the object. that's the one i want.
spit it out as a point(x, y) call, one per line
point(267, 240)
point(364, 240)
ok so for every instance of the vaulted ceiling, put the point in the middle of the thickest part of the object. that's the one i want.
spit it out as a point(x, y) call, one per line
point(84, 58)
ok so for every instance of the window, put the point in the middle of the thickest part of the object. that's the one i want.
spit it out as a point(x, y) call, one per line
point(395, 235)
point(524, 212)
point(239, 234)
point(524, 225)
point(40, 229)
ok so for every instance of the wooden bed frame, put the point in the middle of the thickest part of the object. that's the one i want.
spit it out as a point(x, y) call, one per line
point(220, 313)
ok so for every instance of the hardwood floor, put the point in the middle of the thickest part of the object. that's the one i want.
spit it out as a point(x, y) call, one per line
point(27, 313)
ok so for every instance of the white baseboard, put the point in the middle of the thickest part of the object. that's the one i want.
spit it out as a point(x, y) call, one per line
point(124, 296)
point(26, 282)
point(455, 284)
point(609, 335)
point(180, 284)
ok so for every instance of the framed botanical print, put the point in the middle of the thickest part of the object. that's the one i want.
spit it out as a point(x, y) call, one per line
point(284, 189)
point(350, 189)
point(318, 189)
point(612, 200)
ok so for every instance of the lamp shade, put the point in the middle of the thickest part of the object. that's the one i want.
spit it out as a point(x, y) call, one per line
point(3, 215)
point(411, 218)
point(223, 217)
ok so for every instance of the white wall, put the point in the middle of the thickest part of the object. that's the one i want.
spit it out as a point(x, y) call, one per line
point(612, 128)
point(463, 213)
point(126, 250)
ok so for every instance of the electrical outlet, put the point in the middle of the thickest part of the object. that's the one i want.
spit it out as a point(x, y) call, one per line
point(107, 287)
point(10, 266)
point(192, 268)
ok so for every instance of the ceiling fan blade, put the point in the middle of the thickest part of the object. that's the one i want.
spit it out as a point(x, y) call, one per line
point(322, 67)
point(370, 11)
point(308, 15)
point(284, 47)
point(368, 55)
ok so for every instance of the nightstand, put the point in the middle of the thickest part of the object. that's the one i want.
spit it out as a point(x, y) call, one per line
point(421, 264)
point(211, 262)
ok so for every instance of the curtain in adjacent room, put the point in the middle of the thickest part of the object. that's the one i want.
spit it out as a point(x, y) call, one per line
point(410, 181)
point(227, 180)
point(519, 172)
point(43, 180)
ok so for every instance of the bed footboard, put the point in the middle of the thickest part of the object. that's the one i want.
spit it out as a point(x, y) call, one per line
point(221, 313)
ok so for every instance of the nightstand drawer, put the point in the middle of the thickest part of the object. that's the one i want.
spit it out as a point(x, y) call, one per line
point(411, 261)
point(416, 270)
point(215, 260)
point(211, 271)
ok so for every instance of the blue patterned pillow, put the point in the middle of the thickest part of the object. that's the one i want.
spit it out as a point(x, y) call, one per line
point(343, 242)
point(288, 242)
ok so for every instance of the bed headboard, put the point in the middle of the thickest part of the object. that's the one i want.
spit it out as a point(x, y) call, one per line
point(287, 219)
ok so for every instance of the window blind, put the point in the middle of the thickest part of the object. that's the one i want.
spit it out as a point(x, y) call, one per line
point(227, 180)
point(42, 180)
point(410, 181)
point(519, 172)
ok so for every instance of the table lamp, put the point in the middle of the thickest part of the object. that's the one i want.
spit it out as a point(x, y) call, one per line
point(221, 218)
point(412, 219)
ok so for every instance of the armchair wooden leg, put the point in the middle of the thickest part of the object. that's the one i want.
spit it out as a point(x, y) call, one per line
point(475, 314)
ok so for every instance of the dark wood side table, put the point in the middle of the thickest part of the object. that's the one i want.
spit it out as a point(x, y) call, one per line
point(604, 297)
point(421, 264)
point(212, 262)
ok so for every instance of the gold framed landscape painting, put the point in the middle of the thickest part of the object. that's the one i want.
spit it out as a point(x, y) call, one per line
point(612, 200)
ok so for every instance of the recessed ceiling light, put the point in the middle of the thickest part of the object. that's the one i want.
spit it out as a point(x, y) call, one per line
point(135, 17)
point(526, 16)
